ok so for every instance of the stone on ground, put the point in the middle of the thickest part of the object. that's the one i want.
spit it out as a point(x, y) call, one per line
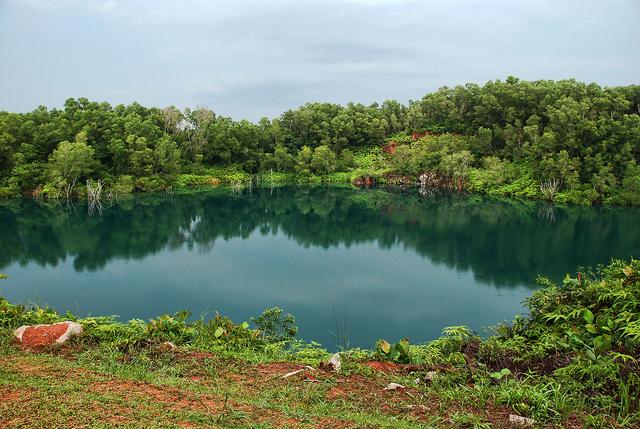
point(39, 336)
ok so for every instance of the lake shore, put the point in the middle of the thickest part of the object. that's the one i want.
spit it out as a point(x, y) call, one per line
point(572, 363)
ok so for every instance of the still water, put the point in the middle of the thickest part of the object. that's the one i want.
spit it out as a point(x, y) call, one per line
point(351, 265)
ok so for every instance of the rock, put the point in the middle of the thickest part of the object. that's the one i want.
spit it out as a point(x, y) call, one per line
point(38, 336)
point(394, 386)
point(521, 421)
point(429, 376)
point(168, 346)
point(417, 407)
point(334, 363)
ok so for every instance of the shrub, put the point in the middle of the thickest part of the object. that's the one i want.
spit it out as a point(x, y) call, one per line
point(123, 185)
point(149, 184)
point(274, 326)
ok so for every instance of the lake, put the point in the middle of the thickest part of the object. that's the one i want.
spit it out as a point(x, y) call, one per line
point(352, 265)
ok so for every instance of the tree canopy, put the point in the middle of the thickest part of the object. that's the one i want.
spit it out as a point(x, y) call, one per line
point(523, 134)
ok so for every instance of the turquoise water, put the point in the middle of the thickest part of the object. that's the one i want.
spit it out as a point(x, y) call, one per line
point(351, 265)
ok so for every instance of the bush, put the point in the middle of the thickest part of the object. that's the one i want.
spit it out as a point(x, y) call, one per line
point(123, 185)
point(10, 191)
point(275, 326)
point(149, 184)
point(191, 180)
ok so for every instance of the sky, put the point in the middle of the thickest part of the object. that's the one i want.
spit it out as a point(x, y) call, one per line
point(253, 58)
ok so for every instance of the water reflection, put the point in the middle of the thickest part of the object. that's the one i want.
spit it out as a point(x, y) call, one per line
point(332, 255)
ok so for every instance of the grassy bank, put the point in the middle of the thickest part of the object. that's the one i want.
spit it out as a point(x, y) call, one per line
point(573, 362)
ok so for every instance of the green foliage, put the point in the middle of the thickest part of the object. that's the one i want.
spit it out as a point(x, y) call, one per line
point(171, 328)
point(275, 326)
point(217, 333)
point(468, 420)
point(591, 314)
point(13, 316)
point(503, 138)
point(323, 160)
point(192, 180)
point(123, 185)
point(303, 160)
point(499, 375)
point(398, 352)
point(71, 162)
point(150, 184)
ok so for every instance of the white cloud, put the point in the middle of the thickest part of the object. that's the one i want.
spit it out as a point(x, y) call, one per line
point(250, 58)
point(106, 5)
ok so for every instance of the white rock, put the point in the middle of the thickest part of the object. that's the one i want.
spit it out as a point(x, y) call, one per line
point(394, 386)
point(429, 376)
point(521, 421)
point(335, 362)
point(73, 329)
point(18, 332)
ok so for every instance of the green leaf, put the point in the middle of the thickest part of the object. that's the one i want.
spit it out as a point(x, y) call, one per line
point(592, 329)
point(496, 375)
point(588, 316)
point(500, 375)
point(403, 346)
point(384, 346)
point(245, 325)
point(219, 332)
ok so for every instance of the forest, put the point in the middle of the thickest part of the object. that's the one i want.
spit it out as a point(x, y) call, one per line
point(563, 141)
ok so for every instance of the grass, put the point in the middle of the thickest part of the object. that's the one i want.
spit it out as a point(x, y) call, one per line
point(574, 362)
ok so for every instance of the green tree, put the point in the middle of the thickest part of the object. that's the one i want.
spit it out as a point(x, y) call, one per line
point(303, 160)
point(457, 164)
point(323, 160)
point(282, 160)
point(70, 162)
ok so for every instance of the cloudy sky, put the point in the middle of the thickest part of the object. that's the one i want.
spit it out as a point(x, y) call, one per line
point(253, 58)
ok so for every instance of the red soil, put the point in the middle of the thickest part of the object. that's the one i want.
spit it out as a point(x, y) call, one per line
point(387, 367)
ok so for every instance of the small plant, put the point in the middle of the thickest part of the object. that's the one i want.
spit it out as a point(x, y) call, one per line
point(550, 188)
point(171, 328)
point(12, 315)
point(499, 375)
point(275, 326)
point(398, 352)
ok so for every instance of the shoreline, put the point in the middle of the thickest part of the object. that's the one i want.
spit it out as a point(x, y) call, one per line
point(530, 368)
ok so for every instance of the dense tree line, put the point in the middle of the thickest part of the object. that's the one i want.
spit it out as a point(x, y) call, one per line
point(564, 140)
